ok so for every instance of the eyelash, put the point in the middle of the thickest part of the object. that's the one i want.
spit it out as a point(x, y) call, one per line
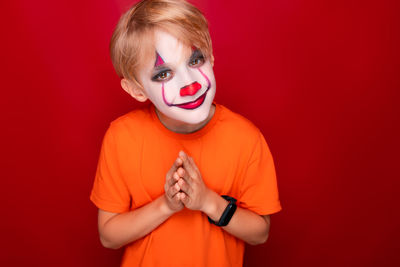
point(158, 77)
point(200, 58)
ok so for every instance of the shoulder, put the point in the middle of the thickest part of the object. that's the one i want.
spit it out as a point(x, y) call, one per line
point(234, 131)
point(131, 124)
point(236, 124)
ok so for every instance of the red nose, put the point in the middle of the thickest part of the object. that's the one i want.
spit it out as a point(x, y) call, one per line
point(190, 89)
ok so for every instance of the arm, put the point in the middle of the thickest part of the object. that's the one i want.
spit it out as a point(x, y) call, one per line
point(119, 229)
point(246, 225)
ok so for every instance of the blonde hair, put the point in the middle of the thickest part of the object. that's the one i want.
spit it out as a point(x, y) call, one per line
point(133, 39)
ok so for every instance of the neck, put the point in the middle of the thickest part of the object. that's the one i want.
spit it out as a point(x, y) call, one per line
point(182, 127)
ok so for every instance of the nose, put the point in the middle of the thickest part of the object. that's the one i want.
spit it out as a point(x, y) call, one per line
point(190, 89)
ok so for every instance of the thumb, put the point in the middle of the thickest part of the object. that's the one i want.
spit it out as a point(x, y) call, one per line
point(177, 163)
point(187, 164)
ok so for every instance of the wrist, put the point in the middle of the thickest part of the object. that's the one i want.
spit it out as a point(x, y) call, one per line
point(164, 208)
point(214, 205)
point(228, 212)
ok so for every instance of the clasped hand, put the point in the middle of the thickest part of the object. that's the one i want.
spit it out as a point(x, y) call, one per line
point(184, 186)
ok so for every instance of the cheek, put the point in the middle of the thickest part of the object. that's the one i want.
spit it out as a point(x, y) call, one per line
point(163, 93)
point(153, 90)
point(208, 74)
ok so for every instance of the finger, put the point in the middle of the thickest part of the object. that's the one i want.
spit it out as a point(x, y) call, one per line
point(194, 165)
point(171, 180)
point(177, 197)
point(184, 198)
point(185, 175)
point(175, 177)
point(186, 162)
point(184, 186)
point(177, 163)
point(173, 190)
point(181, 172)
point(194, 172)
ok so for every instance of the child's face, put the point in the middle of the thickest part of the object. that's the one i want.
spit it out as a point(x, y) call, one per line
point(178, 80)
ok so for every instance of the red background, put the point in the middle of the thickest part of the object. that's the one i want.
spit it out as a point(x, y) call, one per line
point(319, 78)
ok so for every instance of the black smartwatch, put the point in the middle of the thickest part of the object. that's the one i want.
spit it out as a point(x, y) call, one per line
point(227, 214)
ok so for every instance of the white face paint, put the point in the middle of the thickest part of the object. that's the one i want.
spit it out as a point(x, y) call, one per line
point(179, 81)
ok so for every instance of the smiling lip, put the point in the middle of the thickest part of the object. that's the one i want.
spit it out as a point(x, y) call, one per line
point(193, 104)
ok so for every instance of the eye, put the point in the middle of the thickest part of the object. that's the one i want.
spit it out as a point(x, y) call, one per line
point(196, 62)
point(162, 76)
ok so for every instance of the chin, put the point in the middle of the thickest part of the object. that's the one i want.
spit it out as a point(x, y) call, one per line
point(197, 115)
point(195, 119)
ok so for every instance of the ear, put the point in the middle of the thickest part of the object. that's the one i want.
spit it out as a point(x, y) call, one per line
point(134, 89)
point(212, 60)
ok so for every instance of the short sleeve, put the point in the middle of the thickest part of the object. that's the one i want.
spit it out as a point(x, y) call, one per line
point(110, 192)
point(259, 191)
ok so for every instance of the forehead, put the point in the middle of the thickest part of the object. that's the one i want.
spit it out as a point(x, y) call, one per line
point(170, 48)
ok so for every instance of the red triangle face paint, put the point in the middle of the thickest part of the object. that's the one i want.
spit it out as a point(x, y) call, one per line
point(159, 60)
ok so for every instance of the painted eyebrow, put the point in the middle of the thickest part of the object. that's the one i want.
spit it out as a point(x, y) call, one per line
point(160, 65)
point(160, 69)
point(159, 60)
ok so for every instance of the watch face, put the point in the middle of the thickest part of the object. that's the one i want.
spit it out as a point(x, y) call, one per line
point(230, 211)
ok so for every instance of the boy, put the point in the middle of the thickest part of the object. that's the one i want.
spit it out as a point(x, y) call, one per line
point(184, 181)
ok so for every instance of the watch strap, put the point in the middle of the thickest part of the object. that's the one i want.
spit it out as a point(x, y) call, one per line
point(228, 212)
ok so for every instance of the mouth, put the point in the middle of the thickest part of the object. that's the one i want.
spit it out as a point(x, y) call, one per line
point(195, 103)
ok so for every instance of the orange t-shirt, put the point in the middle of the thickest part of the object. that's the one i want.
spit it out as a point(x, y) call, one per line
point(233, 159)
